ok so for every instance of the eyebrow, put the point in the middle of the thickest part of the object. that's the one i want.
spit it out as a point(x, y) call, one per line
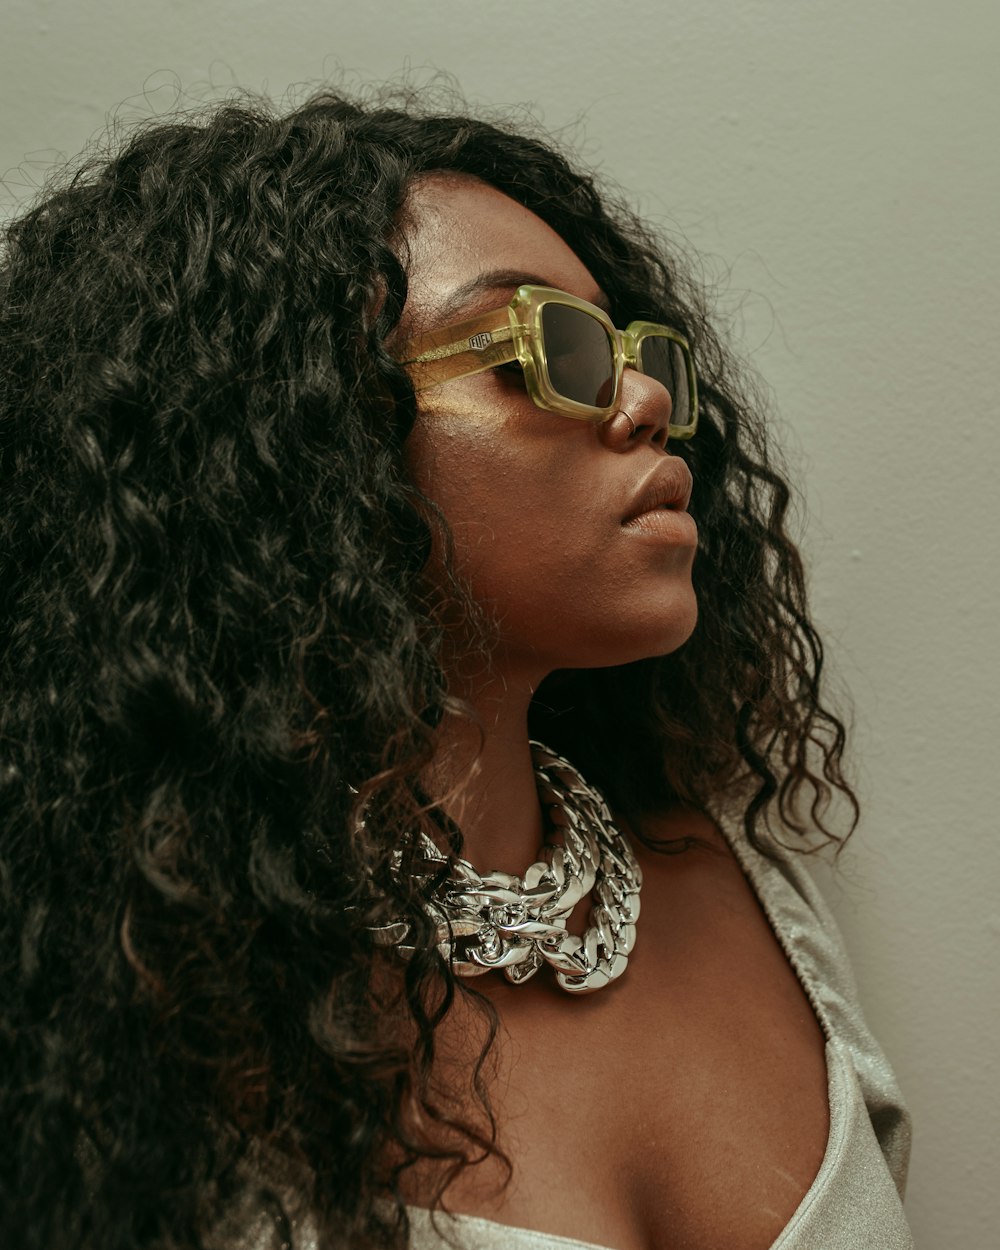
point(497, 280)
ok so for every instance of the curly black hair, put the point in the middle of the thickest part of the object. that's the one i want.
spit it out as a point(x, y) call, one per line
point(218, 650)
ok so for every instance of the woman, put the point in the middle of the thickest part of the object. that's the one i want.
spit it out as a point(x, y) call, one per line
point(329, 485)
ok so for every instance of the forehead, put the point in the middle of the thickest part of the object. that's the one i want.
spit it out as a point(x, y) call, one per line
point(469, 246)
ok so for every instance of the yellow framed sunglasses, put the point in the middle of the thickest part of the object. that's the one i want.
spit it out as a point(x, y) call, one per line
point(572, 356)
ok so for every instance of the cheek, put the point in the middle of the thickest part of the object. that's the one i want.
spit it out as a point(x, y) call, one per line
point(456, 467)
point(516, 500)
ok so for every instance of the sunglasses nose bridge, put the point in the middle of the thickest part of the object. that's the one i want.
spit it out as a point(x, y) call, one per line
point(627, 351)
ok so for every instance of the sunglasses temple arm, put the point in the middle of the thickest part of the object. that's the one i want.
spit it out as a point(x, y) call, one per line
point(472, 347)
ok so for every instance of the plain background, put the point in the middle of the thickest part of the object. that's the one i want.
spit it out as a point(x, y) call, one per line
point(833, 168)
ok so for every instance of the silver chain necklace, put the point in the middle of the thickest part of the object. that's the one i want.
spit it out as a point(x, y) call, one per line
point(499, 921)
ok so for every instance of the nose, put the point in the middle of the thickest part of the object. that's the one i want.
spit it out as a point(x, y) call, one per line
point(643, 414)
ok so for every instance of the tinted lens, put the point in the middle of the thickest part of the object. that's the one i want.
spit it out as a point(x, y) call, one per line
point(663, 359)
point(579, 355)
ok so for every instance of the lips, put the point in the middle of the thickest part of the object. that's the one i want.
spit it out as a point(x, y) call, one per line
point(669, 487)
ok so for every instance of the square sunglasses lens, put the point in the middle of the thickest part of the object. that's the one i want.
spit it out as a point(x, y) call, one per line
point(578, 354)
point(663, 359)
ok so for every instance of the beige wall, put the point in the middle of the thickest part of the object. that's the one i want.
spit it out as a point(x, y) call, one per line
point(836, 166)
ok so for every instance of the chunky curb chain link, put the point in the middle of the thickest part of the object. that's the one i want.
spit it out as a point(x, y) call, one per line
point(499, 921)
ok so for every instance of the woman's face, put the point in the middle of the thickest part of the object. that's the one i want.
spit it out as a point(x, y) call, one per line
point(541, 506)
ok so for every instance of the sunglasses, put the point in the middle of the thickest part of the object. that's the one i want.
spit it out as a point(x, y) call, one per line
point(572, 356)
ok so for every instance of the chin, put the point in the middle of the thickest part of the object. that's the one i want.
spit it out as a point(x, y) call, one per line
point(668, 631)
point(639, 638)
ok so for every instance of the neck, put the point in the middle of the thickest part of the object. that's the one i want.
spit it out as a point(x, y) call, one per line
point(486, 784)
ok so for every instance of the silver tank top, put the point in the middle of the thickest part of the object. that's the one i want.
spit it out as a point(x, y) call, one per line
point(855, 1200)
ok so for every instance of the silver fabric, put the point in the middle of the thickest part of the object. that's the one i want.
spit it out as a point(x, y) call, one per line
point(471, 1233)
point(517, 924)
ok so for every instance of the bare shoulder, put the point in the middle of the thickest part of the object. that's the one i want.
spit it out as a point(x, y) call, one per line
point(679, 842)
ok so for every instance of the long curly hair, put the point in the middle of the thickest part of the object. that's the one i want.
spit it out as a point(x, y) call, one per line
point(218, 652)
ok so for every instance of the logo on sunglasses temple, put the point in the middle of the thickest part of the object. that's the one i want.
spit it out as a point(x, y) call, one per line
point(480, 341)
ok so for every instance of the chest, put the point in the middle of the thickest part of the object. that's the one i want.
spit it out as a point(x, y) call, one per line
point(686, 1105)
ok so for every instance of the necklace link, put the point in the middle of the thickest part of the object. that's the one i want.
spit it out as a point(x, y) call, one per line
point(500, 922)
